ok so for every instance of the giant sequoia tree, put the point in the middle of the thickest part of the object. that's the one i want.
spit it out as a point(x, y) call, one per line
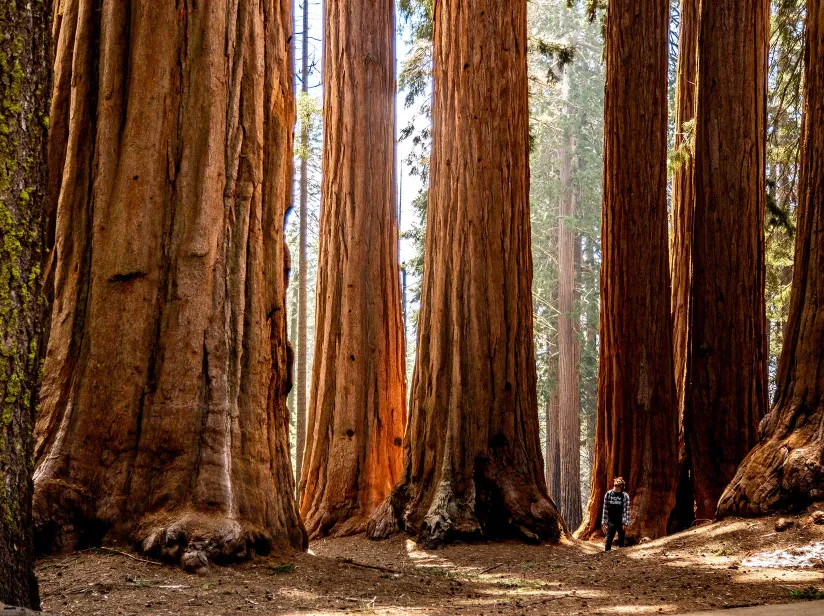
point(472, 458)
point(23, 177)
point(163, 417)
point(785, 469)
point(637, 413)
point(726, 391)
point(358, 407)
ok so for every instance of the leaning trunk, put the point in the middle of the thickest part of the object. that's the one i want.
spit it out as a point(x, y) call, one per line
point(726, 392)
point(785, 470)
point(24, 81)
point(163, 419)
point(357, 411)
point(683, 202)
point(637, 414)
point(473, 455)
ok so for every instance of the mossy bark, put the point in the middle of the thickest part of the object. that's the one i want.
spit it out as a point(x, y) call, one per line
point(24, 78)
point(164, 420)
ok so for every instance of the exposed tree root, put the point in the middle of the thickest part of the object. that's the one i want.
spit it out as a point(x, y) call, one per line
point(492, 507)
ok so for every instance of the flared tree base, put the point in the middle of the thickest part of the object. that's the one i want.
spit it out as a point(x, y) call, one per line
point(189, 538)
point(495, 507)
point(782, 473)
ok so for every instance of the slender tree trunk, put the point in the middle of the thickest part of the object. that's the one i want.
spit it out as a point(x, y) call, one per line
point(637, 433)
point(683, 198)
point(358, 401)
point(569, 419)
point(163, 415)
point(24, 83)
point(726, 393)
point(683, 203)
point(303, 280)
point(473, 454)
point(552, 459)
point(785, 469)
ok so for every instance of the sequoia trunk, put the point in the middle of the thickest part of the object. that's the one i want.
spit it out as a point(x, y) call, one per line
point(552, 459)
point(24, 81)
point(726, 391)
point(472, 458)
point(785, 469)
point(163, 418)
point(303, 265)
point(637, 413)
point(357, 410)
point(569, 435)
point(682, 189)
point(683, 202)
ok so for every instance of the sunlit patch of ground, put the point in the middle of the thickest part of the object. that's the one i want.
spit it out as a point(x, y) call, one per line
point(700, 569)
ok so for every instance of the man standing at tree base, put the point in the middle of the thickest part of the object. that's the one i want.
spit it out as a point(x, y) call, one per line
point(616, 513)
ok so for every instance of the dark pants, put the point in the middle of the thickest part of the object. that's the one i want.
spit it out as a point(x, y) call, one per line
point(613, 528)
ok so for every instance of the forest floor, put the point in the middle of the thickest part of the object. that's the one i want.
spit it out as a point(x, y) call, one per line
point(715, 566)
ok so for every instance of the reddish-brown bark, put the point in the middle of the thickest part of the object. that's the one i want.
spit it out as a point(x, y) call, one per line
point(569, 352)
point(785, 471)
point(552, 455)
point(24, 77)
point(726, 390)
point(637, 412)
point(163, 418)
point(357, 411)
point(472, 458)
point(683, 202)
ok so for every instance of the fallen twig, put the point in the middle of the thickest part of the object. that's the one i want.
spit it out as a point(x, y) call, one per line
point(492, 568)
point(353, 563)
point(126, 554)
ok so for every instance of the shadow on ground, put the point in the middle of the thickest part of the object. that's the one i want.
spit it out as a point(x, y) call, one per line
point(700, 569)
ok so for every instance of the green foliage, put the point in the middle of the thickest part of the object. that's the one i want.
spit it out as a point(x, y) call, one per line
point(284, 569)
point(810, 593)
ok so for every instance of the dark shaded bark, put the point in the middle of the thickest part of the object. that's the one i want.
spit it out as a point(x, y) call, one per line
point(163, 410)
point(472, 458)
point(637, 412)
point(726, 391)
point(357, 411)
point(24, 83)
point(786, 470)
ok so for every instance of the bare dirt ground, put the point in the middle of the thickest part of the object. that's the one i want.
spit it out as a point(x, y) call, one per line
point(701, 569)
